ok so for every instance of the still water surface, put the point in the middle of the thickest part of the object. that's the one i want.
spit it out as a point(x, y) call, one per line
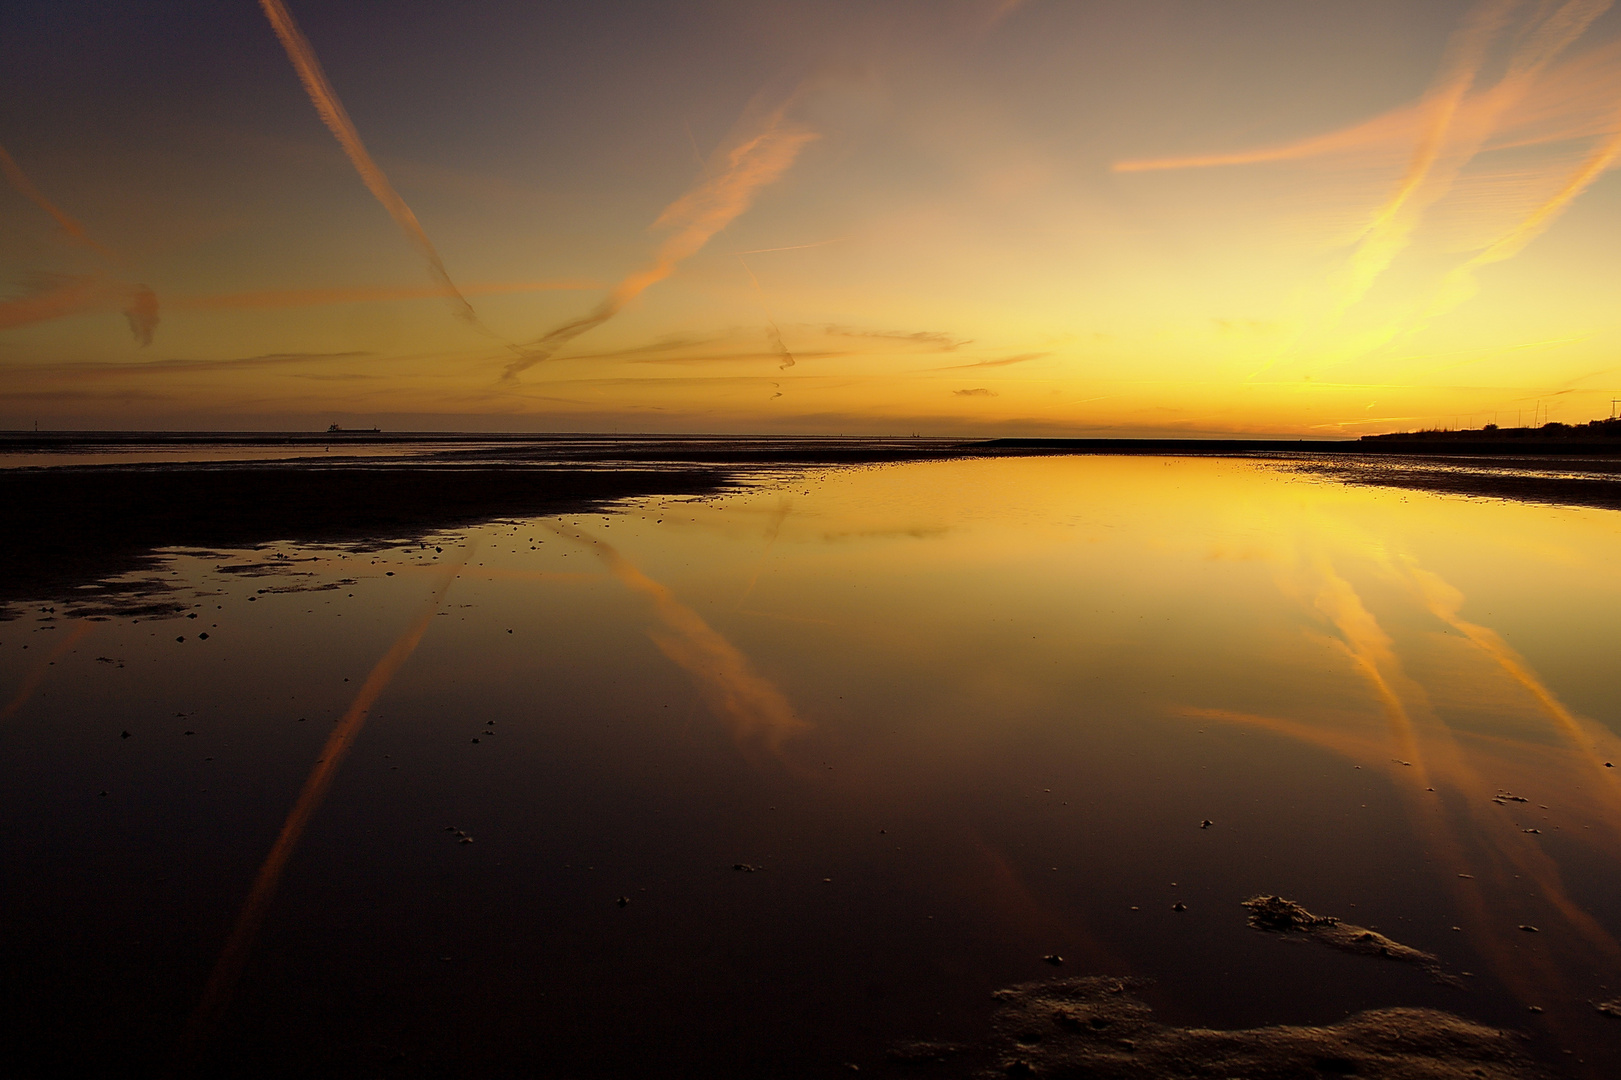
point(764, 783)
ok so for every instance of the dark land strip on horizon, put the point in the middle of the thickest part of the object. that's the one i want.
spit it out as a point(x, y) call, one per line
point(75, 525)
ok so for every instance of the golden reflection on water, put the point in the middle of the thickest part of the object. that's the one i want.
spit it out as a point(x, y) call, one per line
point(1010, 665)
point(752, 706)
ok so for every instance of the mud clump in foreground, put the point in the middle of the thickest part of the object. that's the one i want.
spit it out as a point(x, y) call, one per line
point(1277, 915)
point(1094, 1028)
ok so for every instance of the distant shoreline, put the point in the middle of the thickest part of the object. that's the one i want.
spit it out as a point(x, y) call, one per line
point(833, 449)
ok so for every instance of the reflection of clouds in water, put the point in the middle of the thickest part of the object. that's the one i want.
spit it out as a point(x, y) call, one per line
point(1445, 602)
point(33, 681)
point(748, 702)
point(233, 957)
point(1437, 773)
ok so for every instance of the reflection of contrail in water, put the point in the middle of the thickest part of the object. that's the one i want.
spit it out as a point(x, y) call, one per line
point(1490, 875)
point(32, 682)
point(998, 886)
point(771, 533)
point(1369, 649)
point(1445, 602)
point(1486, 877)
point(25, 187)
point(751, 704)
point(337, 121)
point(233, 958)
point(696, 216)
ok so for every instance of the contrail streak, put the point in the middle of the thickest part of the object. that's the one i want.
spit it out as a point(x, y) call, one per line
point(272, 299)
point(695, 218)
point(1392, 227)
point(337, 121)
point(1452, 124)
point(26, 188)
point(790, 247)
point(141, 303)
point(1459, 285)
point(55, 297)
point(771, 331)
point(233, 958)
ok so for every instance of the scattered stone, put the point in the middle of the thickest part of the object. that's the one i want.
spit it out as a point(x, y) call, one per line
point(182, 637)
point(744, 867)
point(475, 740)
point(1530, 929)
point(1611, 1008)
point(924, 1053)
point(1206, 823)
point(623, 901)
point(100, 794)
point(1091, 1027)
point(1179, 906)
point(1275, 914)
point(1532, 830)
point(203, 636)
point(1054, 959)
point(123, 735)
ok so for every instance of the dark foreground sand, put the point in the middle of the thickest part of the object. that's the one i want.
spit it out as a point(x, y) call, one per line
point(1095, 1029)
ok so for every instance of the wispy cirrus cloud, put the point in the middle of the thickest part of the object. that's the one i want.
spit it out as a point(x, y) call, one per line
point(929, 339)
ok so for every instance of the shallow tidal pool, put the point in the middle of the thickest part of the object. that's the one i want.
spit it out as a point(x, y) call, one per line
point(774, 782)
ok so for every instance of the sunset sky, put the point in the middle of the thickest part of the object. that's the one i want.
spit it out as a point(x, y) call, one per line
point(1068, 217)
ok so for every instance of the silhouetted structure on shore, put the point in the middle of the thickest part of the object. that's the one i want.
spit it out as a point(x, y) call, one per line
point(1553, 431)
